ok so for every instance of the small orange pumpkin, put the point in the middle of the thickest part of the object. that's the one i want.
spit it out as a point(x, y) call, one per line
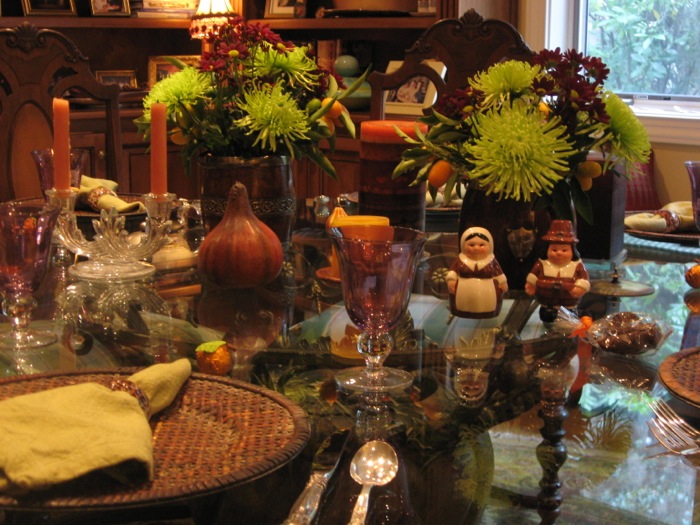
point(692, 275)
point(241, 251)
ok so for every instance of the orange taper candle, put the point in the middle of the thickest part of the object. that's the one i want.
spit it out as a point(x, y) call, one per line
point(61, 144)
point(159, 151)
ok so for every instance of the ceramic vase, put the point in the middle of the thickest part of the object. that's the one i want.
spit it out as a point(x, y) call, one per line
point(516, 228)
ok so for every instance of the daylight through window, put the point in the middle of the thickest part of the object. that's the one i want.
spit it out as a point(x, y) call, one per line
point(650, 46)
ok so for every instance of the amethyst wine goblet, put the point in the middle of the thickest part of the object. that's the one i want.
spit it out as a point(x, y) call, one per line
point(25, 245)
point(377, 267)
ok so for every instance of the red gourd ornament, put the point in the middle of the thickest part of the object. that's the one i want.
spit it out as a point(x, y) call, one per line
point(241, 251)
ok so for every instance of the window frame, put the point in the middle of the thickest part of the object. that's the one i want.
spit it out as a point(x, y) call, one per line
point(667, 121)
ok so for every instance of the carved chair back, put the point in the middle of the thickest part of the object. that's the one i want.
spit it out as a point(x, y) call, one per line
point(37, 65)
point(465, 46)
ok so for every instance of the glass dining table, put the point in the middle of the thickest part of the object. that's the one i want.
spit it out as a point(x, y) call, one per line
point(509, 420)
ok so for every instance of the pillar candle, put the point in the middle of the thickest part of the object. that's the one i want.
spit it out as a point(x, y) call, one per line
point(159, 151)
point(61, 144)
point(380, 152)
point(366, 227)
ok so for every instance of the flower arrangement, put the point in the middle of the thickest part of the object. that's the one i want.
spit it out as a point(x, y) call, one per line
point(253, 94)
point(524, 130)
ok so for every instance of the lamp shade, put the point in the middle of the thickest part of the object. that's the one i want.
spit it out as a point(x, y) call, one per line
point(212, 13)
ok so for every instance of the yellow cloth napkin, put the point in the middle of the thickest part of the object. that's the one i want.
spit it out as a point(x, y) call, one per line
point(101, 194)
point(656, 223)
point(60, 434)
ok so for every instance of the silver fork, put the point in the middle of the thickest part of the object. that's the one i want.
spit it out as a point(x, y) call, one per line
point(662, 409)
point(672, 438)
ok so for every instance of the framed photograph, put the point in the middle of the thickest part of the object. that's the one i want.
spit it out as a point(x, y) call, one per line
point(122, 78)
point(159, 67)
point(279, 8)
point(110, 7)
point(415, 94)
point(49, 7)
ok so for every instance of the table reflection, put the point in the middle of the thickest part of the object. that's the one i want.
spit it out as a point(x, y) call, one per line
point(480, 435)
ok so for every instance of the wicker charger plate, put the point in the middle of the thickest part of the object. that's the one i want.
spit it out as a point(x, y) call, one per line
point(218, 433)
point(680, 374)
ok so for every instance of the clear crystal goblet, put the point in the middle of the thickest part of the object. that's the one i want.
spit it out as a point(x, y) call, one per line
point(25, 247)
point(377, 267)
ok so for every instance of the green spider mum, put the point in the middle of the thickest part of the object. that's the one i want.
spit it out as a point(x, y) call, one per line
point(505, 81)
point(517, 153)
point(272, 116)
point(185, 87)
point(628, 137)
point(297, 67)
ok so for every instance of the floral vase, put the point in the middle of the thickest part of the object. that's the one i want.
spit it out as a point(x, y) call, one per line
point(516, 229)
point(269, 181)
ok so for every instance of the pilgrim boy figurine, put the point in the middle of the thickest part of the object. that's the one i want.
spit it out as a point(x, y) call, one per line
point(560, 279)
point(475, 282)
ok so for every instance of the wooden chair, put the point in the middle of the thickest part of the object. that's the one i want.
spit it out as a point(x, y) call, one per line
point(465, 46)
point(37, 65)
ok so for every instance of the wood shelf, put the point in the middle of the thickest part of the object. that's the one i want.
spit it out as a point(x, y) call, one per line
point(278, 24)
point(87, 22)
point(343, 24)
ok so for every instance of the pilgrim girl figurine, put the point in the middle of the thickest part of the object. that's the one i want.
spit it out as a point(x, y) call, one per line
point(560, 279)
point(475, 282)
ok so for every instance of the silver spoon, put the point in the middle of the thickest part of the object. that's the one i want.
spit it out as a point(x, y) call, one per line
point(375, 463)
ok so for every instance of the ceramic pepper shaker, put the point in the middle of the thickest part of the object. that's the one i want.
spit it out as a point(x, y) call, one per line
point(475, 282)
point(560, 279)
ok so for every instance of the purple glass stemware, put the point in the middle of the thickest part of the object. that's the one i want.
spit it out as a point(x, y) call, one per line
point(25, 245)
point(377, 267)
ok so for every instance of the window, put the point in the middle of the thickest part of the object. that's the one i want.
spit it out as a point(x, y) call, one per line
point(650, 46)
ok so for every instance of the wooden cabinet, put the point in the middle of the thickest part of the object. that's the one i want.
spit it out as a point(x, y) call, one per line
point(87, 132)
point(126, 43)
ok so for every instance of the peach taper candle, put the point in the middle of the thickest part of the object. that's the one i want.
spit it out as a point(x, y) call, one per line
point(61, 144)
point(159, 150)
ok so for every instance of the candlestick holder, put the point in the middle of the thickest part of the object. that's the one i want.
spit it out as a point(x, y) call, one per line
point(113, 254)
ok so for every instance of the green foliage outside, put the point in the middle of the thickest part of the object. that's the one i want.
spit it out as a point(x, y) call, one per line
point(650, 46)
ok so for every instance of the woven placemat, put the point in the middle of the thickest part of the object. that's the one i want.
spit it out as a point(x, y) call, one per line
point(218, 433)
point(680, 374)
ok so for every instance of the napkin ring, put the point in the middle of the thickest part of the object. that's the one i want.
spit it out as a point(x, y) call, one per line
point(93, 197)
point(131, 388)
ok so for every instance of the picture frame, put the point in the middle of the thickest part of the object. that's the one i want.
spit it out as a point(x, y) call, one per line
point(279, 8)
point(414, 95)
point(49, 8)
point(159, 67)
point(124, 78)
point(110, 8)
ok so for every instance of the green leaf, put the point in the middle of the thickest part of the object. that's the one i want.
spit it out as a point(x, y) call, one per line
point(332, 86)
point(176, 62)
point(355, 85)
point(317, 156)
point(433, 192)
point(561, 201)
point(416, 153)
point(347, 122)
point(581, 201)
point(403, 167)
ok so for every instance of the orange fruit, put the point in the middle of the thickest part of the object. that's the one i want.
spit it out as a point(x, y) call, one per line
point(177, 137)
point(439, 173)
point(692, 276)
point(336, 108)
point(330, 124)
point(589, 168)
point(214, 358)
point(691, 298)
point(585, 182)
